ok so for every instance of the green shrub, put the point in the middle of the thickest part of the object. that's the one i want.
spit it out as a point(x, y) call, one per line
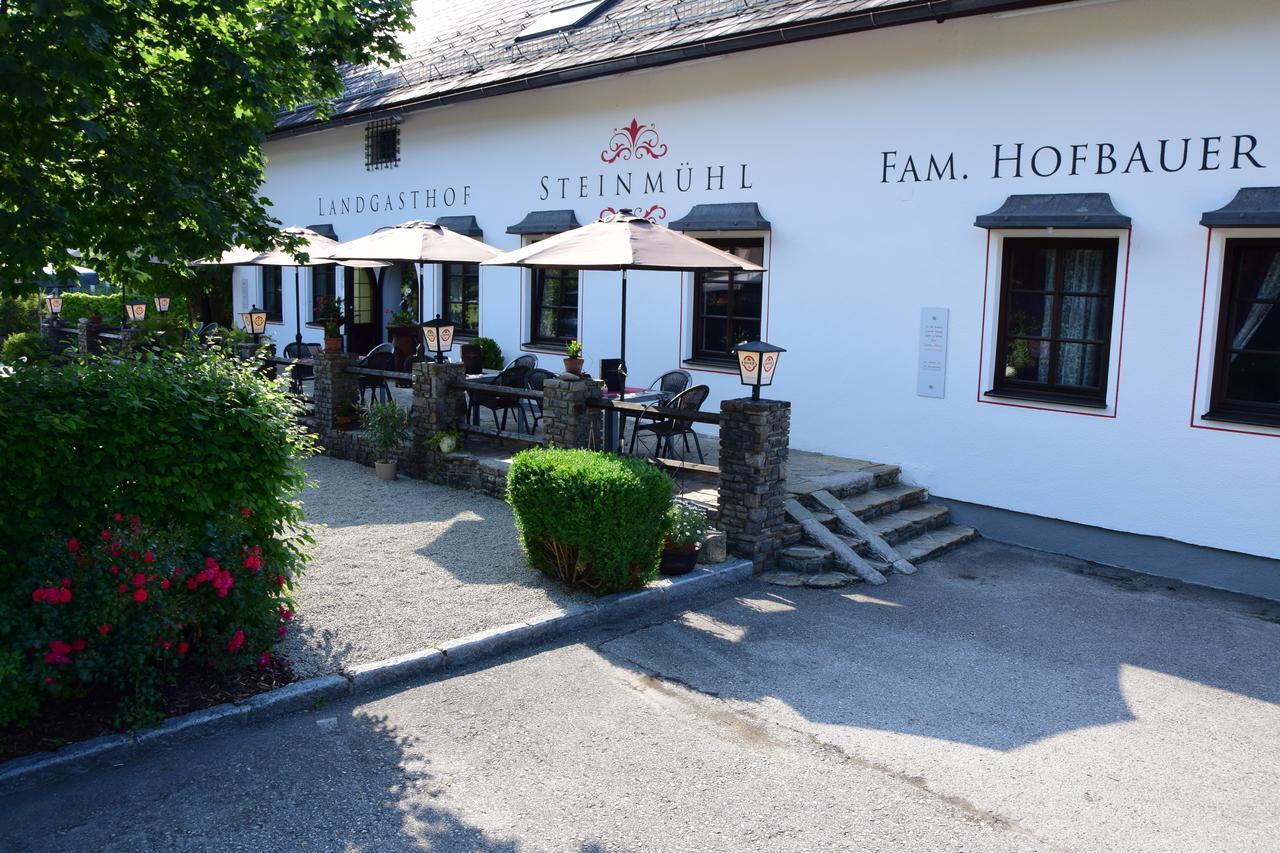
point(195, 445)
point(31, 346)
point(17, 314)
point(490, 352)
point(589, 519)
point(387, 427)
point(106, 305)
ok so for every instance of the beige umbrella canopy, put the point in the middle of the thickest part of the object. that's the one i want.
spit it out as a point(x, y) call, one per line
point(417, 242)
point(314, 245)
point(623, 241)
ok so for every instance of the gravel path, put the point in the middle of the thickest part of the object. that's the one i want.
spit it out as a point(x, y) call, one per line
point(401, 565)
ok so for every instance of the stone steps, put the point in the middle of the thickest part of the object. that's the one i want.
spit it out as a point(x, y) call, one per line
point(897, 512)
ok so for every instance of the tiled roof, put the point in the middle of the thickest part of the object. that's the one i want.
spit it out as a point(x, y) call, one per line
point(469, 46)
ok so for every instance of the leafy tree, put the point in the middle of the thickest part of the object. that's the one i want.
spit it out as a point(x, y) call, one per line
point(132, 129)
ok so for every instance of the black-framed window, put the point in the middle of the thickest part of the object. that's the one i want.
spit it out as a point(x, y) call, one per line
point(273, 294)
point(324, 286)
point(554, 314)
point(1246, 375)
point(382, 144)
point(460, 296)
point(728, 306)
point(1054, 333)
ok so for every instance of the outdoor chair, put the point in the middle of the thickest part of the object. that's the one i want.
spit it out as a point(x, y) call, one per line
point(381, 357)
point(207, 331)
point(516, 376)
point(299, 373)
point(528, 360)
point(666, 427)
point(537, 377)
point(671, 383)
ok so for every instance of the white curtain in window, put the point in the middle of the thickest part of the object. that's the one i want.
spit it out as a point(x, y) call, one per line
point(1082, 317)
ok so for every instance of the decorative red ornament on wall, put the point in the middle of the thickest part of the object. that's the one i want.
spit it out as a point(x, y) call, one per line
point(635, 140)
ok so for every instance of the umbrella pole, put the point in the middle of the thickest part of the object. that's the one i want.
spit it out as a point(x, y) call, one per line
point(622, 395)
point(422, 294)
point(297, 310)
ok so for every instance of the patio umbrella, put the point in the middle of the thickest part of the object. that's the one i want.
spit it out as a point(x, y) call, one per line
point(314, 244)
point(417, 242)
point(624, 241)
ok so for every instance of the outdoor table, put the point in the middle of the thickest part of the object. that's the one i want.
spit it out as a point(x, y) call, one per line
point(615, 422)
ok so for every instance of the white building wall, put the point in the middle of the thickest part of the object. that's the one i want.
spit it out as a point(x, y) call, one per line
point(853, 258)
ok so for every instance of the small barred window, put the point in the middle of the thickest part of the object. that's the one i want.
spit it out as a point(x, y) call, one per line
point(382, 144)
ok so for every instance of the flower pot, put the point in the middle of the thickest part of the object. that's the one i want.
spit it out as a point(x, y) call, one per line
point(333, 344)
point(678, 559)
point(95, 319)
point(386, 470)
point(345, 423)
point(573, 365)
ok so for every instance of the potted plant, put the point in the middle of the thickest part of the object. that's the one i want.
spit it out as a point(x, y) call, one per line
point(345, 416)
point(573, 357)
point(328, 314)
point(683, 529)
point(446, 440)
point(387, 426)
point(405, 334)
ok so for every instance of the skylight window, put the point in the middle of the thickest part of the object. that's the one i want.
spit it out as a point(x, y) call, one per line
point(564, 17)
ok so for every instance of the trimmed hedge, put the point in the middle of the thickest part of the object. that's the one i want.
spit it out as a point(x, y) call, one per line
point(111, 309)
point(200, 448)
point(17, 314)
point(594, 520)
point(490, 352)
point(29, 345)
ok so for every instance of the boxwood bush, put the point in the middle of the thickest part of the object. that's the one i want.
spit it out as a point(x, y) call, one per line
point(589, 519)
point(199, 448)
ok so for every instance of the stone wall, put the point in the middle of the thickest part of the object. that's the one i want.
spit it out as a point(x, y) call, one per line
point(567, 420)
point(754, 437)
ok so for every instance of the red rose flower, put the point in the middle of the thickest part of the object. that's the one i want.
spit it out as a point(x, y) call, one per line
point(104, 629)
point(285, 613)
point(106, 535)
point(79, 645)
point(264, 660)
point(237, 640)
point(66, 581)
point(191, 583)
point(139, 579)
point(183, 646)
point(118, 517)
point(148, 558)
point(282, 630)
point(164, 584)
point(123, 588)
point(244, 510)
point(38, 594)
point(64, 595)
point(139, 595)
point(73, 544)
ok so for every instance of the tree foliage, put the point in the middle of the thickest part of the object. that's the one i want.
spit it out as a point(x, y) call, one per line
point(132, 129)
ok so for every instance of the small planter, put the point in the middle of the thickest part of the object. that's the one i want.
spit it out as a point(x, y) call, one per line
point(386, 470)
point(333, 344)
point(95, 319)
point(678, 559)
point(573, 365)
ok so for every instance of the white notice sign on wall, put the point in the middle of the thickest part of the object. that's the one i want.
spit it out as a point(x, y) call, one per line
point(931, 379)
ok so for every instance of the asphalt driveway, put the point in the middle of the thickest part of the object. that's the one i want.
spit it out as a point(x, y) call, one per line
point(999, 700)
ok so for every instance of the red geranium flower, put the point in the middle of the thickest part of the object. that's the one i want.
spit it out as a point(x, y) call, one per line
point(38, 594)
point(106, 535)
point(104, 629)
point(118, 517)
point(164, 584)
point(183, 646)
point(64, 595)
point(139, 579)
point(244, 510)
point(148, 558)
point(73, 544)
point(79, 645)
point(264, 660)
point(237, 640)
point(139, 595)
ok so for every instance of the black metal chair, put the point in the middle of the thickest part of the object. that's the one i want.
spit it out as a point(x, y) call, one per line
point(381, 357)
point(671, 383)
point(537, 377)
point(207, 331)
point(666, 427)
point(299, 373)
point(516, 376)
point(528, 360)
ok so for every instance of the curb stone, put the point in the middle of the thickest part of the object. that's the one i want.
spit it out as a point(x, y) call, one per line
point(457, 653)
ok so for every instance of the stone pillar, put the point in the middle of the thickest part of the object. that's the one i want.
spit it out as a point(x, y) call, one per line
point(86, 336)
point(754, 435)
point(566, 419)
point(128, 338)
point(334, 386)
point(436, 407)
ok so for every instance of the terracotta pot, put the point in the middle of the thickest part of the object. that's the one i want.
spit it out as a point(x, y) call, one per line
point(573, 365)
point(95, 319)
point(386, 470)
point(333, 344)
point(678, 559)
point(345, 423)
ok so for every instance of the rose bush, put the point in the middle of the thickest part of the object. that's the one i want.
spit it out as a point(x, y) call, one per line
point(127, 608)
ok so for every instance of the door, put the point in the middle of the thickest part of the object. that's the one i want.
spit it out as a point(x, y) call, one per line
point(363, 309)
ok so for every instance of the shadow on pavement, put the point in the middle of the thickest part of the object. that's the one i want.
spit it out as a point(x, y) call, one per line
point(990, 646)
